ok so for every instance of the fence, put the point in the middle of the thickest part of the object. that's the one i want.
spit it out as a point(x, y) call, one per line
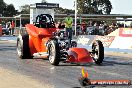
point(19, 31)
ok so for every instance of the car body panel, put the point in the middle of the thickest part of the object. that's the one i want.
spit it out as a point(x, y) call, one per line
point(79, 55)
point(39, 37)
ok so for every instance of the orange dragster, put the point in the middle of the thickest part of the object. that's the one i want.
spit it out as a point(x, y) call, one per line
point(44, 40)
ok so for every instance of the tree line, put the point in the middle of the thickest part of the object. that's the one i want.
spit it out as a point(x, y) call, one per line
point(7, 10)
point(83, 7)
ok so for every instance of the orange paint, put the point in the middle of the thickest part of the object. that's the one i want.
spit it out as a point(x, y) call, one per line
point(38, 37)
point(79, 55)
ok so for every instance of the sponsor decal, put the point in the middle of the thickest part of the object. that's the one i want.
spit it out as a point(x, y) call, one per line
point(106, 40)
point(86, 81)
point(83, 40)
point(47, 5)
point(125, 32)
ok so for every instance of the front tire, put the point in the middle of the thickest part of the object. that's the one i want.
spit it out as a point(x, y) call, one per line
point(54, 52)
point(98, 51)
point(23, 49)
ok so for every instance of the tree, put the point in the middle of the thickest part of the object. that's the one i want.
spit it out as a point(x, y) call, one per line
point(43, 1)
point(2, 6)
point(61, 10)
point(7, 10)
point(94, 6)
point(10, 10)
point(25, 9)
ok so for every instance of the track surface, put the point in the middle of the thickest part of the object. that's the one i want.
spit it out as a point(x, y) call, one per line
point(65, 75)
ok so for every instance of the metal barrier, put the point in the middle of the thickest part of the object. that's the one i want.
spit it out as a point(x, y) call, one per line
point(20, 31)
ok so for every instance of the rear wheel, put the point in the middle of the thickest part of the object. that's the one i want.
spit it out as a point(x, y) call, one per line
point(23, 49)
point(54, 52)
point(98, 52)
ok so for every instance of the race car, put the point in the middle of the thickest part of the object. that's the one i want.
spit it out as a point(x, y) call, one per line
point(45, 40)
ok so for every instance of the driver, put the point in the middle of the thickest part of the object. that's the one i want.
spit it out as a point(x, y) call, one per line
point(43, 21)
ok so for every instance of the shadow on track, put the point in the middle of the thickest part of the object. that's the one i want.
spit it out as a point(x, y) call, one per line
point(7, 48)
point(112, 61)
point(108, 61)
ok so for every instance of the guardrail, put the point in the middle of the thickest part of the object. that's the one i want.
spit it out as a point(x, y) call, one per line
point(18, 31)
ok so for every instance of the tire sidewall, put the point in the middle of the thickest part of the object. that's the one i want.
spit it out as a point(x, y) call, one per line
point(25, 49)
point(100, 55)
point(20, 53)
point(52, 44)
point(56, 57)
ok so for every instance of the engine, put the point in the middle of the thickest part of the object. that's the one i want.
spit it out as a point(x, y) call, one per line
point(62, 39)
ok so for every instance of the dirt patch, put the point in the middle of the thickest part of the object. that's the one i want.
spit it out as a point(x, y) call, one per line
point(9, 79)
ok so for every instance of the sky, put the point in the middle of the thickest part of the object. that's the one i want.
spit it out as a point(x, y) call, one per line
point(119, 6)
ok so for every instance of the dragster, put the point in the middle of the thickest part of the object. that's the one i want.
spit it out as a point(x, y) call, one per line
point(45, 40)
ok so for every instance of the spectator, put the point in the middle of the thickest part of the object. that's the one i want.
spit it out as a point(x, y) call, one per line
point(84, 27)
point(61, 25)
point(68, 23)
point(90, 23)
point(7, 25)
point(96, 29)
point(101, 29)
point(12, 27)
point(57, 24)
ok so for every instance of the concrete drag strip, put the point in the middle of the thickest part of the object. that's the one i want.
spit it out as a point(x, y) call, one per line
point(9, 79)
point(11, 39)
point(8, 41)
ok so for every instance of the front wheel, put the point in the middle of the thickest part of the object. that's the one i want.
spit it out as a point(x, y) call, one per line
point(54, 52)
point(98, 51)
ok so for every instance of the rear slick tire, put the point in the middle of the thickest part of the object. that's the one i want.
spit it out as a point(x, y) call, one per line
point(98, 51)
point(23, 49)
